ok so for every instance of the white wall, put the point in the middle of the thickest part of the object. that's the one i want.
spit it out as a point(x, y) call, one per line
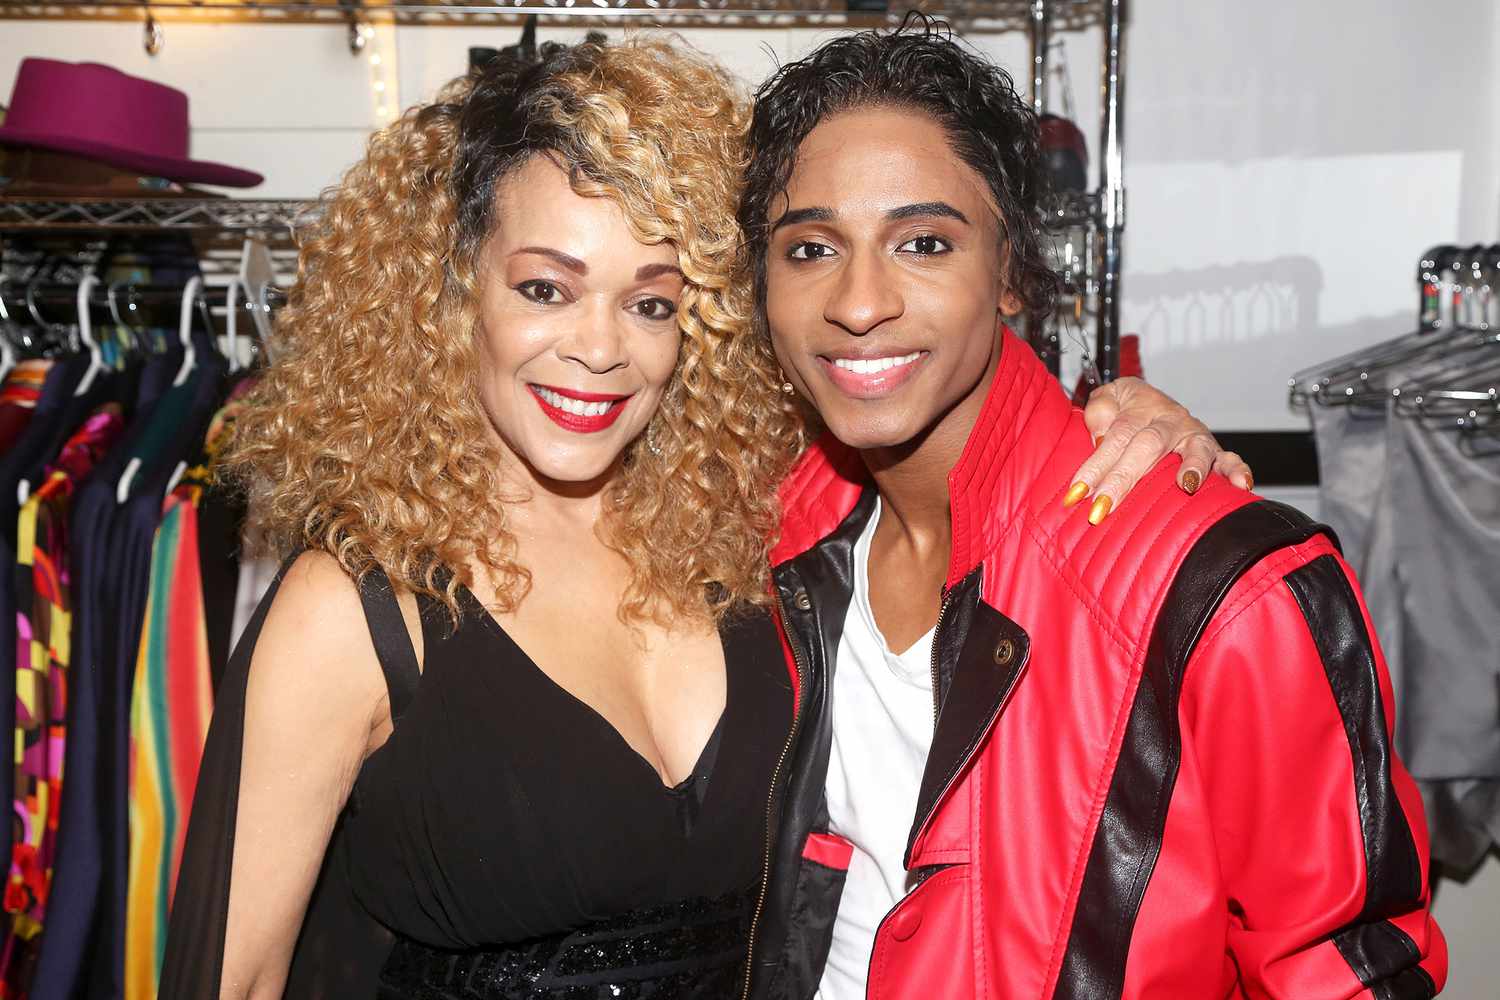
point(1286, 163)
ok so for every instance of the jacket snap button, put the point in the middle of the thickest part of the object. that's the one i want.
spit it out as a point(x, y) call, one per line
point(1005, 652)
point(905, 923)
point(802, 601)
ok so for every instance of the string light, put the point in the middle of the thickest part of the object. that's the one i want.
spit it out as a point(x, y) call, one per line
point(382, 80)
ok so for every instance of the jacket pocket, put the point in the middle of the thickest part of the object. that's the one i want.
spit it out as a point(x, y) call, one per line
point(820, 882)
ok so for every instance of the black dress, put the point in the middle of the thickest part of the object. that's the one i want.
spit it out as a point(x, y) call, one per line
point(505, 841)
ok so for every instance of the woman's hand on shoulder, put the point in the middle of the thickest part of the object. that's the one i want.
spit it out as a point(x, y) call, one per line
point(1135, 426)
point(314, 696)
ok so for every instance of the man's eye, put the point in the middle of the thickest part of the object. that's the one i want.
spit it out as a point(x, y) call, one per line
point(542, 292)
point(925, 245)
point(656, 309)
point(809, 251)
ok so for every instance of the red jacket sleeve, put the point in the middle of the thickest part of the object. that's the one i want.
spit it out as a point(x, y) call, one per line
point(1319, 828)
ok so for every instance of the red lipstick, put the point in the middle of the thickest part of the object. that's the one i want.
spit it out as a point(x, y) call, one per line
point(602, 409)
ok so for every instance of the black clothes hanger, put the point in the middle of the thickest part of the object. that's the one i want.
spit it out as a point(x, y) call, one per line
point(1434, 271)
point(1362, 380)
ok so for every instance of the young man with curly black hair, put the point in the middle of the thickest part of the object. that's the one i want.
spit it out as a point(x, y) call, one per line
point(1037, 753)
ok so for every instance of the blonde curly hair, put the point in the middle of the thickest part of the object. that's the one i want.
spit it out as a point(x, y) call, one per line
point(365, 438)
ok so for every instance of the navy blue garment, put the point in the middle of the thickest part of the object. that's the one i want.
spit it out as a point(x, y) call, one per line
point(68, 936)
point(131, 539)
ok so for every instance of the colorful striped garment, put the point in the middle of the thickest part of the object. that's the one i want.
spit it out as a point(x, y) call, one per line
point(170, 708)
point(43, 618)
point(169, 714)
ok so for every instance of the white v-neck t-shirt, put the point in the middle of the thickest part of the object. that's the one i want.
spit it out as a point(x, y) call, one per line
point(882, 732)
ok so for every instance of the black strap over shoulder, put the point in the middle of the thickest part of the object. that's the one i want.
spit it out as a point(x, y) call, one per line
point(398, 659)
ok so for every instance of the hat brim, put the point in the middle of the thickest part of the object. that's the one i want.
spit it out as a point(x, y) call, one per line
point(186, 171)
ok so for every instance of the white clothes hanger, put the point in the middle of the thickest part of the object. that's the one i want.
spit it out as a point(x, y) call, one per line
point(257, 274)
point(7, 349)
point(231, 323)
point(86, 334)
point(190, 293)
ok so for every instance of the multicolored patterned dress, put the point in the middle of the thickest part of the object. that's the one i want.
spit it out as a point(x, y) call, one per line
point(42, 628)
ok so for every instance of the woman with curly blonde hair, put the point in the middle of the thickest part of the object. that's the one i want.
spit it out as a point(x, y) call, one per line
point(548, 241)
point(507, 723)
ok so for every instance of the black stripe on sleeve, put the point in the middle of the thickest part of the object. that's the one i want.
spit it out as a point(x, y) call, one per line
point(1128, 838)
point(1385, 959)
point(1383, 956)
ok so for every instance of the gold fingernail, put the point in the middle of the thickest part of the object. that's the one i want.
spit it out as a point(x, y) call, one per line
point(1100, 510)
point(1191, 481)
point(1075, 493)
point(1249, 480)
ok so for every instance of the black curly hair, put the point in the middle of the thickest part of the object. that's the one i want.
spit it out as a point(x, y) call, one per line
point(500, 125)
point(920, 67)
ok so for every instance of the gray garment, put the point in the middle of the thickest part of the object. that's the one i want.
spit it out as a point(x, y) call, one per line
point(1434, 570)
point(1351, 467)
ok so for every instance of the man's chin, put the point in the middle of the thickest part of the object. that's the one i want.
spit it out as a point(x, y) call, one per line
point(873, 432)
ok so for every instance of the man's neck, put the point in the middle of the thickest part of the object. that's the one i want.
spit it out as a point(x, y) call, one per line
point(912, 478)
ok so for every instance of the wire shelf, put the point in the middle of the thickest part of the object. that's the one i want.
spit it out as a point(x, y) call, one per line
point(282, 217)
point(110, 215)
point(994, 14)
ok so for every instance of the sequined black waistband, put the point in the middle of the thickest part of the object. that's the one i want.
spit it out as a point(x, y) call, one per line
point(692, 949)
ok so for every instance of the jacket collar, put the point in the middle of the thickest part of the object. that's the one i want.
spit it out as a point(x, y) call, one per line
point(1024, 414)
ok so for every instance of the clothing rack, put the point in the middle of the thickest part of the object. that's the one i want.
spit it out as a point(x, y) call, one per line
point(1408, 452)
point(1094, 220)
point(1457, 316)
point(48, 247)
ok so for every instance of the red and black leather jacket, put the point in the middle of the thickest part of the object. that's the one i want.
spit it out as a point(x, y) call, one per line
point(1162, 761)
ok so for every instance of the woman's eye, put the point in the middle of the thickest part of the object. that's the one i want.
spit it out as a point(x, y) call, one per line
point(925, 245)
point(809, 251)
point(542, 292)
point(656, 309)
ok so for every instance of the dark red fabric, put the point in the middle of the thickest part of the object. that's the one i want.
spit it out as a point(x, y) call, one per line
point(13, 420)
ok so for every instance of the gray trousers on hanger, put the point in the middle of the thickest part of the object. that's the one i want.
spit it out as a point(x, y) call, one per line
point(1351, 467)
point(1432, 581)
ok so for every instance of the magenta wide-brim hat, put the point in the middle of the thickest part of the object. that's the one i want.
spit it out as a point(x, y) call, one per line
point(99, 112)
point(173, 169)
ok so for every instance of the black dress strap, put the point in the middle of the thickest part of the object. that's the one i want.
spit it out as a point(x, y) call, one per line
point(398, 659)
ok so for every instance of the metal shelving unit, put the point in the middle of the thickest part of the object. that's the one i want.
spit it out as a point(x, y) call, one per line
point(105, 215)
point(1098, 217)
point(994, 14)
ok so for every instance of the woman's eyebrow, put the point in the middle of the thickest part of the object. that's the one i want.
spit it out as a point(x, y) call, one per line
point(648, 271)
point(566, 260)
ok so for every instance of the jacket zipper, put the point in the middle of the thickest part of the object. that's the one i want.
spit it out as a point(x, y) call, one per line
point(942, 610)
point(765, 879)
